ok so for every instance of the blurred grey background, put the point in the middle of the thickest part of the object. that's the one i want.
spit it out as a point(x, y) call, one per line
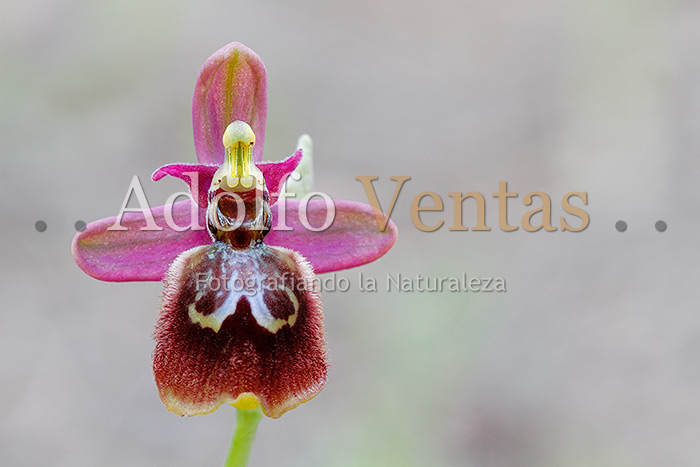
point(591, 357)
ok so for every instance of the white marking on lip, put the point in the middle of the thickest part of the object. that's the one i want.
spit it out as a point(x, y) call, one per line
point(255, 297)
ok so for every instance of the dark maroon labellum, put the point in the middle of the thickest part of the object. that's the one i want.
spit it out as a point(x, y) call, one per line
point(240, 322)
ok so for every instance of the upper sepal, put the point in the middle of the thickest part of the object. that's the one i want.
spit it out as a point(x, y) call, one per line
point(232, 85)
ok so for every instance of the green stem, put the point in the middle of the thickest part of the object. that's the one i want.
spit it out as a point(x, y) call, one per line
point(243, 436)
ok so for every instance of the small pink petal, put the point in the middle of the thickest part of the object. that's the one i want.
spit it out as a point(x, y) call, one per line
point(183, 172)
point(352, 240)
point(275, 174)
point(135, 254)
point(232, 85)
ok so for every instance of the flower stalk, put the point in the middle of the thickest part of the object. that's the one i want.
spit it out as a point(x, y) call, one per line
point(243, 436)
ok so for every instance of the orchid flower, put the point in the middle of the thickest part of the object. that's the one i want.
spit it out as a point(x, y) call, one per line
point(247, 347)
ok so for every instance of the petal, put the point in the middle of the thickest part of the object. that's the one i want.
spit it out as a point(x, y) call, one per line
point(135, 254)
point(184, 172)
point(232, 85)
point(353, 239)
point(275, 174)
point(243, 327)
